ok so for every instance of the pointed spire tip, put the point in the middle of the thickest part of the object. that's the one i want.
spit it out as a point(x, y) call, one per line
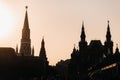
point(43, 37)
point(117, 45)
point(74, 45)
point(82, 23)
point(108, 21)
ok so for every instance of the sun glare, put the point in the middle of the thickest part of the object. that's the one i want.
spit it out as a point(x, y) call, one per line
point(6, 21)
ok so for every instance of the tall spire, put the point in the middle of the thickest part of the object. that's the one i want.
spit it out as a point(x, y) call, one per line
point(83, 36)
point(108, 35)
point(26, 23)
point(108, 43)
point(74, 49)
point(83, 42)
point(43, 43)
point(25, 49)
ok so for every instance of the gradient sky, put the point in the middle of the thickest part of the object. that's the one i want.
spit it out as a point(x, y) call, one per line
point(59, 21)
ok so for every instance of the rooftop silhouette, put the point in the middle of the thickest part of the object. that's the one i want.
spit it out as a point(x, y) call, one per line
point(88, 62)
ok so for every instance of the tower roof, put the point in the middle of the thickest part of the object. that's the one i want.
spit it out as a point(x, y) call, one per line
point(108, 35)
point(83, 36)
point(42, 53)
point(117, 50)
point(74, 49)
point(42, 43)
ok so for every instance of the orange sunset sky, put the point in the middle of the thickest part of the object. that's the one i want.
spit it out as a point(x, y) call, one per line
point(60, 22)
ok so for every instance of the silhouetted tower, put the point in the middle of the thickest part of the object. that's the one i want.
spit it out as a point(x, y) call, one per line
point(82, 43)
point(42, 54)
point(108, 43)
point(25, 49)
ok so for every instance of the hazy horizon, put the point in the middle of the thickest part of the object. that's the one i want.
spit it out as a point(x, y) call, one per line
point(60, 22)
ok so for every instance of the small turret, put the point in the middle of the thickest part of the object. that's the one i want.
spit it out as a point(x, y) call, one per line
point(74, 52)
point(42, 53)
point(117, 50)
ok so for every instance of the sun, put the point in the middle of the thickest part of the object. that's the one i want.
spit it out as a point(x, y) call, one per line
point(6, 21)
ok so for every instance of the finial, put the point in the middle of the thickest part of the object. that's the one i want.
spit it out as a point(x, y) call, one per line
point(82, 23)
point(108, 24)
point(26, 7)
point(42, 38)
point(74, 49)
point(117, 45)
point(117, 50)
point(108, 21)
point(42, 41)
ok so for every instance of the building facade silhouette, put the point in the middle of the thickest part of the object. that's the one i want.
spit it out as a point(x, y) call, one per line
point(88, 55)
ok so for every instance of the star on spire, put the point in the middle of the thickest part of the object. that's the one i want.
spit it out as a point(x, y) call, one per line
point(26, 7)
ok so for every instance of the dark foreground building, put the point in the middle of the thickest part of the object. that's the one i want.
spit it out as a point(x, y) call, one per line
point(21, 67)
point(24, 65)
